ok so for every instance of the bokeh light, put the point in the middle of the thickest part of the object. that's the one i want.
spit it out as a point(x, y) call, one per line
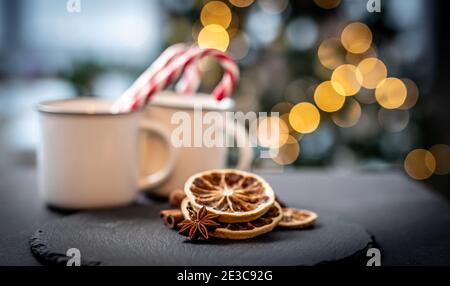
point(331, 53)
point(373, 71)
point(239, 46)
point(292, 132)
point(273, 6)
point(216, 12)
point(272, 132)
point(286, 154)
point(214, 36)
point(441, 154)
point(327, 4)
point(302, 33)
point(346, 80)
point(304, 117)
point(242, 3)
point(412, 94)
point(326, 97)
point(348, 115)
point(356, 38)
point(262, 28)
point(391, 93)
point(393, 120)
point(420, 164)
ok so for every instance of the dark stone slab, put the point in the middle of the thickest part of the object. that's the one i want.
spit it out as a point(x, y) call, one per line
point(136, 236)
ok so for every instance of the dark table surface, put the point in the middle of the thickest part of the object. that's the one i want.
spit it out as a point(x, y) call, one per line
point(410, 222)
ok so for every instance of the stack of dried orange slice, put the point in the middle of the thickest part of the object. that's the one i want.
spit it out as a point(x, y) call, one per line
point(243, 203)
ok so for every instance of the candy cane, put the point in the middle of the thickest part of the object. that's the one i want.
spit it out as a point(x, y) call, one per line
point(166, 57)
point(190, 80)
point(163, 79)
point(167, 75)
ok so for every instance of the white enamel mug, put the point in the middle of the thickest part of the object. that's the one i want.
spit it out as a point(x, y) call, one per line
point(89, 157)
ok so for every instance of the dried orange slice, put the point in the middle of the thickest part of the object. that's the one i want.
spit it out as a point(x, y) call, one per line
point(297, 218)
point(236, 196)
point(243, 230)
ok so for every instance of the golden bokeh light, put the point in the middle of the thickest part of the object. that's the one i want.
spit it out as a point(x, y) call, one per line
point(304, 117)
point(242, 3)
point(420, 164)
point(393, 120)
point(286, 154)
point(327, 4)
point(412, 94)
point(348, 115)
point(356, 38)
point(391, 93)
point(355, 59)
point(373, 71)
point(215, 37)
point(216, 12)
point(272, 132)
point(292, 132)
point(331, 53)
point(326, 97)
point(441, 154)
point(282, 108)
point(346, 80)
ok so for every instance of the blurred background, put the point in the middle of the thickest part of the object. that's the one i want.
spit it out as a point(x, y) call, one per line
point(359, 84)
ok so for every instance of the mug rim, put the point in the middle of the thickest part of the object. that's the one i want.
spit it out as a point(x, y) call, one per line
point(174, 100)
point(48, 107)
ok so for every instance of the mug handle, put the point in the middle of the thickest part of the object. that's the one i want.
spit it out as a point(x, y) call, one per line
point(246, 153)
point(153, 180)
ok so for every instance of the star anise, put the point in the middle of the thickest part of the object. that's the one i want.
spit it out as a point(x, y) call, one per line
point(199, 224)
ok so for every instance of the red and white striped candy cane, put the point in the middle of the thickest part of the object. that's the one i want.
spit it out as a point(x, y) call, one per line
point(167, 75)
point(166, 57)
point(190, 80)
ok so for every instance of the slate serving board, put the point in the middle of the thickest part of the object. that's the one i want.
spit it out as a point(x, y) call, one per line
point(135, 235)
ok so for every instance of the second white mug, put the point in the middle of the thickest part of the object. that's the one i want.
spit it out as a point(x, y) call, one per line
point(163, 109)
